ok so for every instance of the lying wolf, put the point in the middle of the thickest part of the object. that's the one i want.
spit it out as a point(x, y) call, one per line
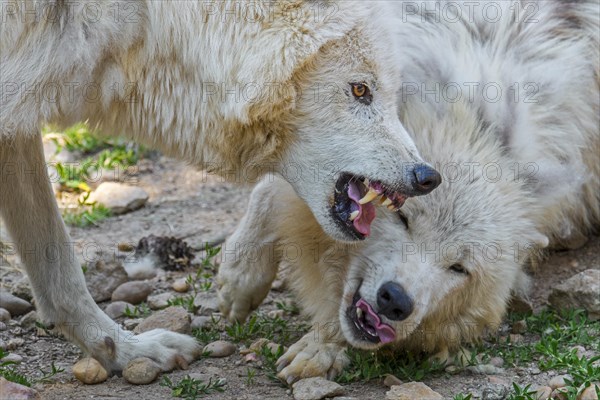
point(518, 175)
point(243, 88)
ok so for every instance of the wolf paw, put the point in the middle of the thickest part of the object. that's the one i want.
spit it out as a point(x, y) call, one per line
point(168, 349)
point(309, 358)
point(240, 293)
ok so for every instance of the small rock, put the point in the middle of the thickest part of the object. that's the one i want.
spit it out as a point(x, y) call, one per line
point(579, 291)
point(494, 392)
point(125, 247)
point(519, 327)
point(200, 322)
point(181, 285)
point(117, 309)
point(13, 304)
point(543, 393)
point(273, 314)
point(28, 320)
point(131, 324)
point(316, 389)
point(141, 371)
point(278, 285)
point(558, 381)
point(391, 380)
point(220, 348)
point(497, 362)
point(89, 371)
point(206, 302)
point(22, 289)
point(14, 391)
point(159, 301)
point(559, 394)
point(15, 343)
point(590, 392)
point(132, 292)
point(258, 344)
point(4, 315)
point(118, 197)
point(412, 391)
point(251, 357)
point(12, 357)
point(3, 326)
point(452, 369)
point(175, 319)
point(516, 338)
point(103, 278)
point(486, 369)
point(494, 380)
point(520, 305)
point(579, 351)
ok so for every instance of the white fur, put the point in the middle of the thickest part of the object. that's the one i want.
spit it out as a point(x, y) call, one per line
point(491, 225)
point(173, 75)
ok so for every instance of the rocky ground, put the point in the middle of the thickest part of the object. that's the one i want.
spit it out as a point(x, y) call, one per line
point(178, 201)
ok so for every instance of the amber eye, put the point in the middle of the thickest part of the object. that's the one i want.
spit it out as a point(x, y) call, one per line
point(358, 89)
point(362, 93)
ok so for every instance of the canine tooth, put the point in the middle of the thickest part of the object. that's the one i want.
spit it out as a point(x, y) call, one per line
point(371, 194)
point(391, 207)
point(366, 182)
point(353, 215)
point(386, 202)
point(359, 312)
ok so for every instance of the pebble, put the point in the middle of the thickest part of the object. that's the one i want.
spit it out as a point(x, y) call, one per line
point(201, 321)
point(3, 326)
point(159, 301)
point(131, 324)
point(251, 357)
point(558, 381)
point(391, 380)
point(579, 351)
point(558, 394)
point(103, 278)
point(516, 338)
point(181, 285)
point(273, 314)
point(543, 392)
point(486, 369)
point(4, 315)
point(13, 304)
point(175, 319)
point(28, 320)
point(22, 289)
point(14, 391)
point(497, 362)
point(316, 389)
point(220, 348)
point(132, 292)
point(141, 371)
point(590, 392)
point(497, 381)
point(579, 291)
point(118, 197)
point(520, 305)
point(117, 309)
point(207, 303)
point(494, 392)
point(12, 357)
point(412, 391)
point(14, 343)
point(519, 327)
point(89, 371)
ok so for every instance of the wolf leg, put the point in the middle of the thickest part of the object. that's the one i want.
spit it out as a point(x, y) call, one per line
point(32, 217)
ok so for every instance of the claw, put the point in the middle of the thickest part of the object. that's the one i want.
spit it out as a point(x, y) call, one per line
point(281, 365)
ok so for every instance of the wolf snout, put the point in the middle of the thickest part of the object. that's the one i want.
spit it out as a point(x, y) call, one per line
point(425, 179)
point(394, 302)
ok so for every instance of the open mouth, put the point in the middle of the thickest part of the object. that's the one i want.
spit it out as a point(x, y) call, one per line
point(354, 203)
point(367, 323)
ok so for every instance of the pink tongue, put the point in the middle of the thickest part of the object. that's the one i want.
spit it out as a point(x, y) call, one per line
point(366, 212)
point(385, 332)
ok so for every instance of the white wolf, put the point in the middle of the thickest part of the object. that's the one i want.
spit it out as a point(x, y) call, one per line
point(238, 87)
point(521, 171)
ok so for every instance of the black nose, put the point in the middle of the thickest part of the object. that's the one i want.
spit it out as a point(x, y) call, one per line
point(393, 301)
point(426, 179)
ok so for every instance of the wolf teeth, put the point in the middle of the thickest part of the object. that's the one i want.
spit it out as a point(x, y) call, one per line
point(391, 207)
point(370, 196)
point(359, 313)
point(385, 201)
point(353, 215)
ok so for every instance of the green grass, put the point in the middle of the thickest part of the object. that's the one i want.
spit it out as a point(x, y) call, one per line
point(190, 388)
point(368, 365)
point(87, 213)
point(259, 325)
point(7, 370)
point(142, 310)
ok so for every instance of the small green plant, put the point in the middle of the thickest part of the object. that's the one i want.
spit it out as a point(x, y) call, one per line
point(190, 388)
point(87, 213)
point(208, 262)
point(290, 307)
point(463, 397)
point(522, 393)
point(270, 358)
point(7, 370)
point(141, 310)
point(250, 376)
point(261, 326)
point(186, 302)
point(46, 376)
point(209, 333)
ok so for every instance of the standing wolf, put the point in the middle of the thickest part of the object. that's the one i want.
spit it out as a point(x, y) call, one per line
point(300, 88)
point(521, 171)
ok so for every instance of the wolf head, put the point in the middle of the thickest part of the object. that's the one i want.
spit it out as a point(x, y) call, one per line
point(441, 270)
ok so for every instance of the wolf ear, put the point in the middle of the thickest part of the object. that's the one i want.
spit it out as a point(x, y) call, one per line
point(281, 47)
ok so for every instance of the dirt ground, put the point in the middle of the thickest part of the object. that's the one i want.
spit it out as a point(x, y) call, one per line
point(186, 202)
